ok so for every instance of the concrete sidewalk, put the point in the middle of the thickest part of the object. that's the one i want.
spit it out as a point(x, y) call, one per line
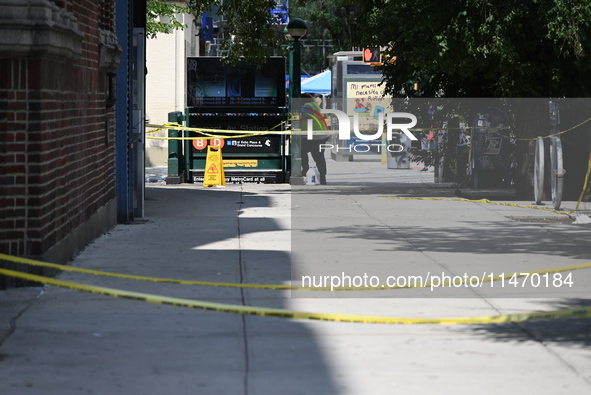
point(60, 341)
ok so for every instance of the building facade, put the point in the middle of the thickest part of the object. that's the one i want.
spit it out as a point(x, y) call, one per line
point(58, 64)
point(165, 81)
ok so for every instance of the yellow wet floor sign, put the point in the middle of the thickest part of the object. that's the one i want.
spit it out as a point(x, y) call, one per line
point(214, 168)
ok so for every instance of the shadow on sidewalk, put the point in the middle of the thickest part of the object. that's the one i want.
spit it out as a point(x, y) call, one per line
point(230, 235)
point(466, 236)
point(379, 188)
point(112, 345)
point(574, 332)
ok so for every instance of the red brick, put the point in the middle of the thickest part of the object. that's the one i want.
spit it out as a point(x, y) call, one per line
point(55, 112)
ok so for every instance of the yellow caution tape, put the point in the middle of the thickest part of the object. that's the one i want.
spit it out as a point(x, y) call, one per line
point(555, 134)
point(224, 133)
point(479, 201)
point(582, 195)
point(210, 134)
point(581, 312)
point(177, 126)
point(33, 262)
point(485, 279)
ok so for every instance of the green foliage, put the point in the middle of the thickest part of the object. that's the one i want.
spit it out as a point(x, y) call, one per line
point(473, 48)
point(252, 33)
point(332, 20)
point(334, 23)
point(487, 48)
point(157, 9)
point(250, 30)
point(460, 48)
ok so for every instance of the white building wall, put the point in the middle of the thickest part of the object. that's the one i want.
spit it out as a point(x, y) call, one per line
point(165, 82)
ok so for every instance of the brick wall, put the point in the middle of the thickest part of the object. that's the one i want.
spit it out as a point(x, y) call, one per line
point(57, 153)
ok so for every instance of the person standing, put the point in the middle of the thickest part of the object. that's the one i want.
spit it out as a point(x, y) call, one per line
point(311, 111)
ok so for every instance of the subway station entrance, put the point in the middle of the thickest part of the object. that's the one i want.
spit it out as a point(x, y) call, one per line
point(232, 106)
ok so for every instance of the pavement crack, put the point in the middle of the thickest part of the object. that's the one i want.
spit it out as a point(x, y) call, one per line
point(243, 296)
point(550, 351)
point(13, 320)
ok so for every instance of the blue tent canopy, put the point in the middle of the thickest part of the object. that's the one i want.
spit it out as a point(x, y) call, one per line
point(303, 78)
point(319, 84)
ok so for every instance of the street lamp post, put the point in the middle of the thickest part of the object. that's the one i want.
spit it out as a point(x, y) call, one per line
point(296, 29)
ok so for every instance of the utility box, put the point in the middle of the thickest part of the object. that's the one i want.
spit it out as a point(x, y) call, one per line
point(491, 149)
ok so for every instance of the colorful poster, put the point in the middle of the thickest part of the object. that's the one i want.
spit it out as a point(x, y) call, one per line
point(366, 100)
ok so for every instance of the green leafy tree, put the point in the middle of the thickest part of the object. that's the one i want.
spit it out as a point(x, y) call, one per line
point(470, 48)
point(331, 24)
point(250, 30)
point(486, 48)
point(161, 17)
